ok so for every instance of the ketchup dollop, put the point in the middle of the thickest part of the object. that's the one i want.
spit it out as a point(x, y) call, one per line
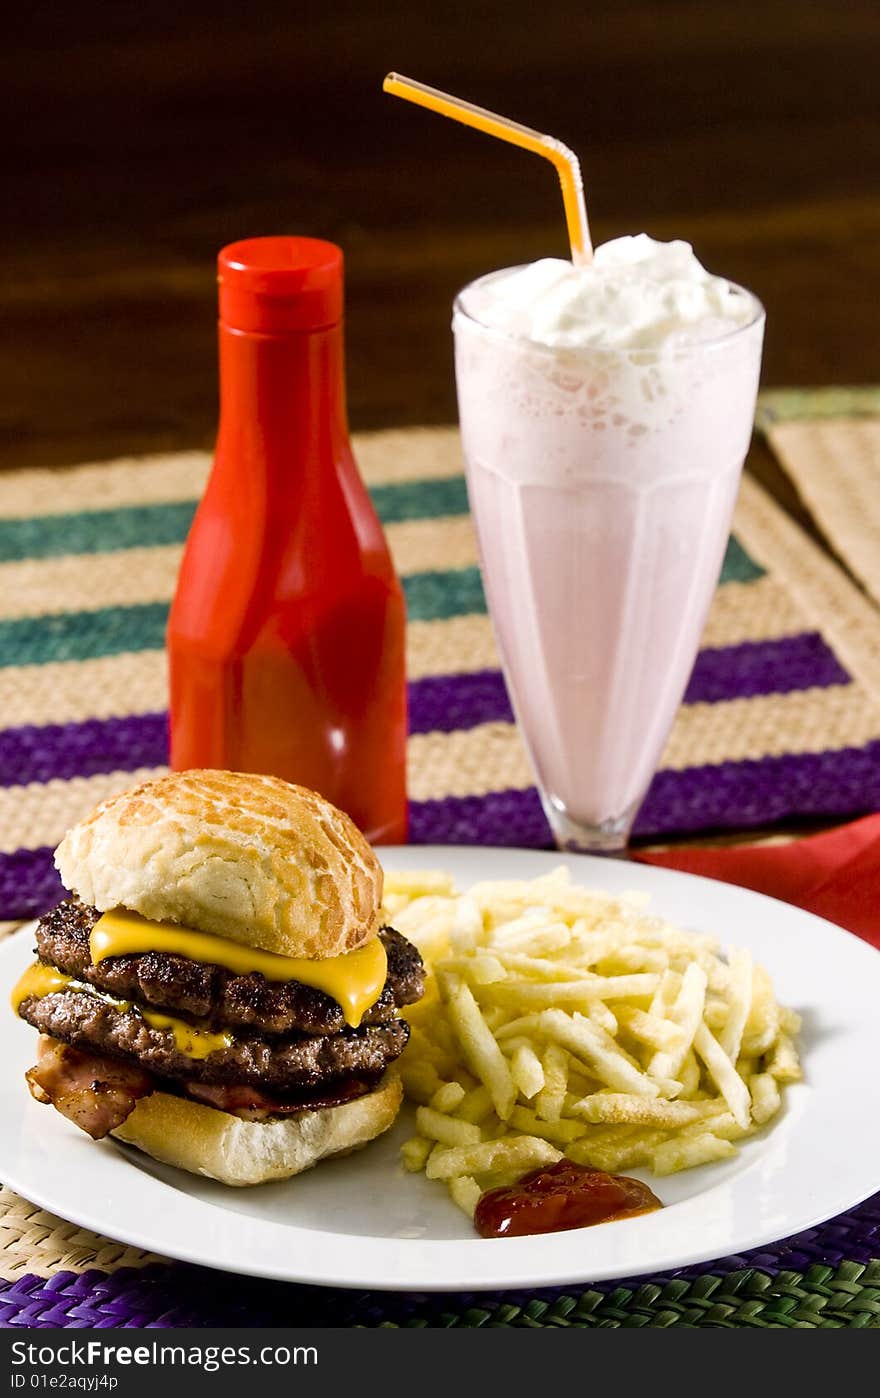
point(561, 1196)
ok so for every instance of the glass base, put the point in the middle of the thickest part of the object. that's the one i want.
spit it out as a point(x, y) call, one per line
point(611, 837)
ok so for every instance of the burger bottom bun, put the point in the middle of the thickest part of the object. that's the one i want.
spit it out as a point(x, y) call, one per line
point(209, 1142)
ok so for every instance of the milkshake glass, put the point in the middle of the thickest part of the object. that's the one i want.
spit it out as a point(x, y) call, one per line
point(602, 473)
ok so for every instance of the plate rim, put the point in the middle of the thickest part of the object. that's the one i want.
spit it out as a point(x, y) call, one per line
point(557, 1270)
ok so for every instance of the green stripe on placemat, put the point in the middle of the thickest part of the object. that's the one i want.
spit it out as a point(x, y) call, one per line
point(83, 635)
point(737, 565)
point(810, 404)
point(95, 531)
point(438, 596)
point(155, 526)
point(420, 499)
point(151, 526)
point(820, 1298)
point(89, 635)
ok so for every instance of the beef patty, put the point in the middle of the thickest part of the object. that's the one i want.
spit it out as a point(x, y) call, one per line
point(211, 992)
point(79, 1018)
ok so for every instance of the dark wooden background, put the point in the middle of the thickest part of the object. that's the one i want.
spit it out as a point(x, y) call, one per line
point(141, 135)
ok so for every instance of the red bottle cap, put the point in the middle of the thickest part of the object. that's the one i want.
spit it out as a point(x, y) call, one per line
point(271, 285)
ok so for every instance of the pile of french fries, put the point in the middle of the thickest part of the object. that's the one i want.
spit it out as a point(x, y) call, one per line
point(562, 1021)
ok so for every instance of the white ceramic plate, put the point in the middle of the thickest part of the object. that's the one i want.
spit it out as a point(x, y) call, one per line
point(362, 1221)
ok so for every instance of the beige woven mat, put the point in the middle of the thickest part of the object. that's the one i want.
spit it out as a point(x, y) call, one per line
point(38, 1243)
point(835, 464)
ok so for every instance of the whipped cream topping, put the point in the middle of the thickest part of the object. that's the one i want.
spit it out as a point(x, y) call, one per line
point(637, 293)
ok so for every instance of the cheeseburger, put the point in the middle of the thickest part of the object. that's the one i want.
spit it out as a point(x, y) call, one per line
point(219, 989)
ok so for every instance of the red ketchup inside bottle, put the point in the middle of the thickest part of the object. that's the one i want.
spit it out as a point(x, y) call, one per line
point(286, 636)
point(558, 1197)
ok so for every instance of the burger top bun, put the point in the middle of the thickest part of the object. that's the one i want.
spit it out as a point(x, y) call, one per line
point(251, 858)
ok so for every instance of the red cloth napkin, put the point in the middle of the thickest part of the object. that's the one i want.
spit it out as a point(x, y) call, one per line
point(836, 874)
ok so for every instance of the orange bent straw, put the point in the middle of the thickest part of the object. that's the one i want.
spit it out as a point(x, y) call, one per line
point(564, 160)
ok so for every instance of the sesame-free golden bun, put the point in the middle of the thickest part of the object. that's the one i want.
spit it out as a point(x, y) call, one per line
point(252, 858)
point(209, 1142)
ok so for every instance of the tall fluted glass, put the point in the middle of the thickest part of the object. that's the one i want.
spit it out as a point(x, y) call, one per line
point(602, 483)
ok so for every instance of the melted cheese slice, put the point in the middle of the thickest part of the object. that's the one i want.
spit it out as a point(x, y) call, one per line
point(355, 981)
point(39, 980)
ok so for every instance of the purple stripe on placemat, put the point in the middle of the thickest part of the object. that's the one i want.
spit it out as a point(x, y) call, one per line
point(512, 818)
point(163, 1296)
point(65, 750)
point(731, 795)
point(29, 883)
point(442, 703)
point(764, 667)
point(726, 796)
point(439, 703)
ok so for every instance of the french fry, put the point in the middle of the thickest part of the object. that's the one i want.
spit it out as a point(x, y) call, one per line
point(604, 1017)
point(627, 1152)
point(762, 1026)
point(672, 1156)
point(625, 1109)
point(783, 1063)
point(467, 925)
point(766, 1097)
point(549, 939)
point(689, 1076)
point(687, 1014)
point(632, 958)
point(465, 1193)
point(741, 977)
point(559, 1132)
point(725, 1076)
point(604, 1059)
point(447, 1097)
point(481, 968)
point(448, 1130)
point(722, 1124)
point(427, 921)
point(420, 1079)
point(789, 1022)
point(538, 968)
point(715, 1013)
point(526, 1071)
point(577, 993)
point(424, 1045)
point(415, 883)
point(516, 1028)
point(551, 1098)
point(604, 1137)
point(520, 1153)
point(481, 1052)
point(415, 1152)
point(650, 1029)
point(665, 995)
point(475, 1105)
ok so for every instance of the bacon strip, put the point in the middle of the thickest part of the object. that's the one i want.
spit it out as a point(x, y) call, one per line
point(93, 1091)
point(97, 1092)
point(251, 1104)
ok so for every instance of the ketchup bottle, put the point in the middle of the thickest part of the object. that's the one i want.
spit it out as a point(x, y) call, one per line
point(286, 635)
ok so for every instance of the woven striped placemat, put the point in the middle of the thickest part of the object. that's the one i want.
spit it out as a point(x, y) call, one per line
point(782, 718)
